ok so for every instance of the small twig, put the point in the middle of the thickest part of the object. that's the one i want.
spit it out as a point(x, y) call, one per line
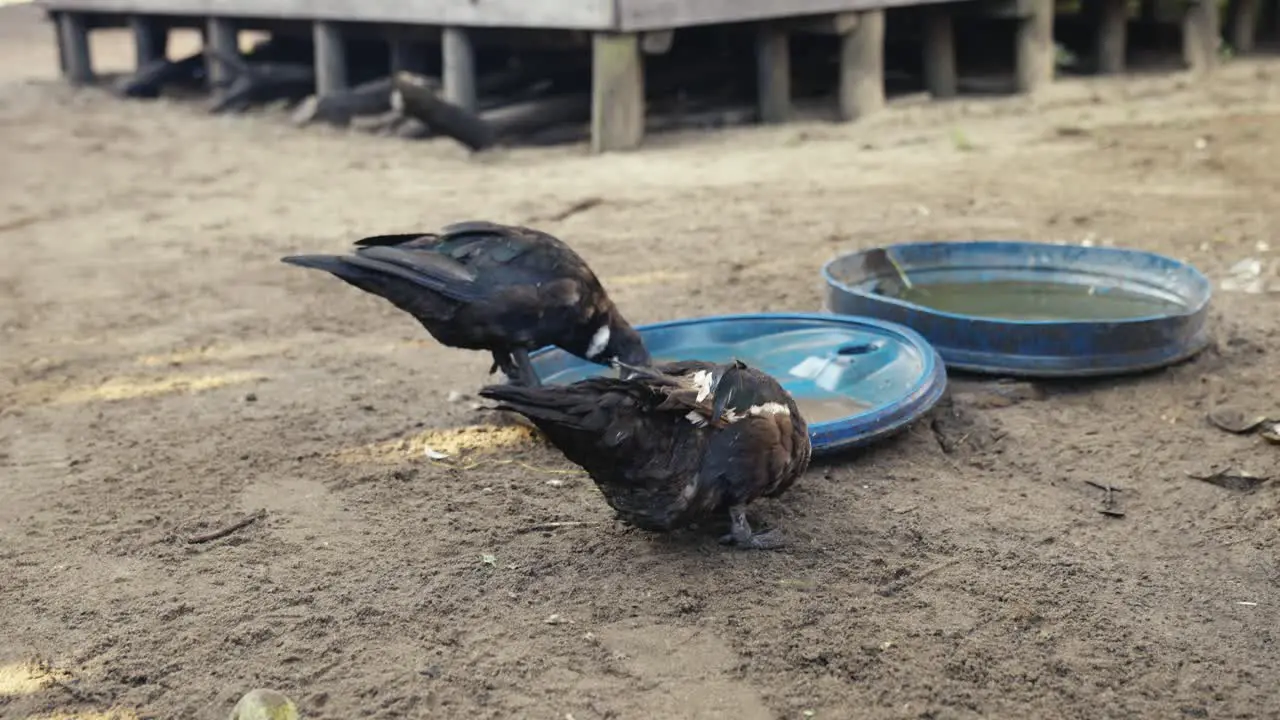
point(578, 207)
point(897, 587)
point(1109, 502)
point(219, 534)
point(540, 527)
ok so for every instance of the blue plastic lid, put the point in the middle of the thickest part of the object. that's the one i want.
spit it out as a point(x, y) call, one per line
point(856, 380)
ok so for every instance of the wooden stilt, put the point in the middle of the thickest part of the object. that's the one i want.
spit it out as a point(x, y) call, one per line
point(56, 19)
point(331, 57)
point(939, 52)
point(1244, 24)
point(1200, 36)
point(1113, 21)
point(1035, 45)
point(73, 44)
point(862, 67)
point(459, 69)
point(222, 36)
point(617, 92)
point(773, 74)
point(150, 39)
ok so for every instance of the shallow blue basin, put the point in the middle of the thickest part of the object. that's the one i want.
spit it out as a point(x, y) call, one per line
point(855, 379)
point(1100, 345)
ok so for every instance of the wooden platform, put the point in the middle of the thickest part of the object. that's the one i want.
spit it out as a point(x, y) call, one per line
point(622, 32)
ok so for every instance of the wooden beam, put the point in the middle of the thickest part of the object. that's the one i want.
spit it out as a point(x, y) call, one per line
point(1200, 36)
point(588, 15)
point(1243, 18)
point(459, 60)
point(331, 57)
point(150, 39)
point(1035, 46)
point(773, 73)
point(838, 24)
point(617, 92)
point(221, 35)
point(73, 44)
point(1113, 22)
point(862, 67)
point(939, 52)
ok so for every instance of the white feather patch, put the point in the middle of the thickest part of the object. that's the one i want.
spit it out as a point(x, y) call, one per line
point(702, 381)
point(769, 408)
point(696, 418)
point(599, 342)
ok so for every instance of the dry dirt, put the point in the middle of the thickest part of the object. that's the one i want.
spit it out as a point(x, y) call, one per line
point(164, 376)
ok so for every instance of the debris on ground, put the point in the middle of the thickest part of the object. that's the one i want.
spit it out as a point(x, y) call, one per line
point(1232, 479)
point(263, 704)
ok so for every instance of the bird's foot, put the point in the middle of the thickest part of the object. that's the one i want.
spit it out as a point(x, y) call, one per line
point(740, 533)
point(763, 540)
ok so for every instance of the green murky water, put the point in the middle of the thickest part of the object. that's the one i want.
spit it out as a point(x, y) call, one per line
point(1026, 300)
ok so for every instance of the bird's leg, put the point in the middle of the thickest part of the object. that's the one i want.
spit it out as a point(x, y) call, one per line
point(502, 361)
point(528, 376)
point(740, 533)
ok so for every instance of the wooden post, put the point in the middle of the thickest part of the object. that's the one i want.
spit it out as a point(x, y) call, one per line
point(459, 68)
point(617, 92)
point(221, 35)
point(773, 74)
point(939, 52)
point(1035, 45)
point(1113, 21)
point(150, 39)
point(73, 48)
point(407, 56)
point(862, 67)
point(1244, 24)
point(1200, 36)
point(331, 57)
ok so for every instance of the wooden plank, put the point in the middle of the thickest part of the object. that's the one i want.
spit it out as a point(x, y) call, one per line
point(839, 24)
point(73, 41)
point(1200, 36)
point(862, 67)
point(617, 92)
point(331, 57)
point(773, 73)
point(150, 39)
point(567, 14)
point(1113, 22)
point(221, 35)
point(658, 14)
point(459, 68)
point(1035, 47)
point(1244, 24)
point(940, 52)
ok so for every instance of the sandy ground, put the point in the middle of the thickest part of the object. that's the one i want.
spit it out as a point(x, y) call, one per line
point(163, 375)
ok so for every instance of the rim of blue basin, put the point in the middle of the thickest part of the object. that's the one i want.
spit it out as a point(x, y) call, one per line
point(1036, 348)
point(829, 436)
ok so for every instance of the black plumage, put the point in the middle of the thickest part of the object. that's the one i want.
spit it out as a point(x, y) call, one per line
point(484, 286)
point(675, 443)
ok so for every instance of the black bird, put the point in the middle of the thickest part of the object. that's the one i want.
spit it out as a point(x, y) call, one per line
point(484, 286)
point(675, 443)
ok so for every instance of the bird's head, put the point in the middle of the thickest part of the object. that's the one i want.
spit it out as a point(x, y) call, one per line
point(617, 340)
